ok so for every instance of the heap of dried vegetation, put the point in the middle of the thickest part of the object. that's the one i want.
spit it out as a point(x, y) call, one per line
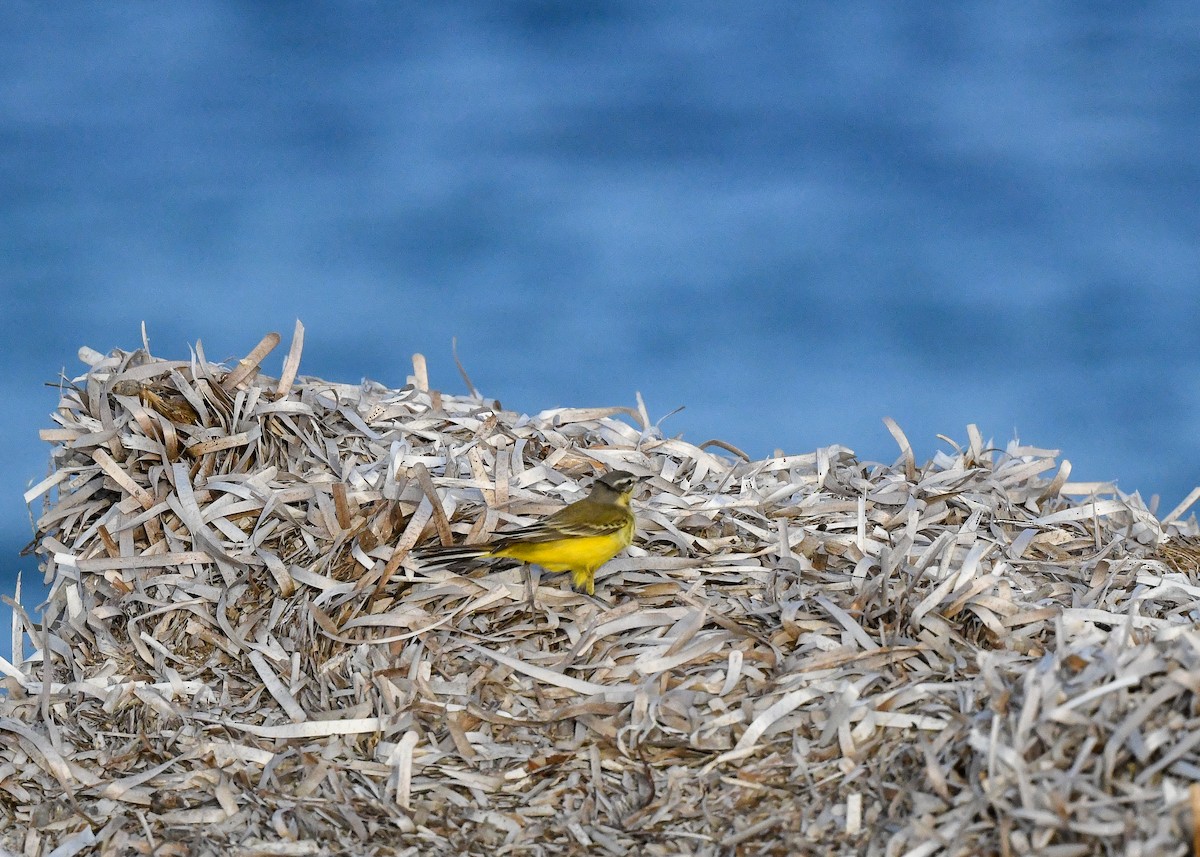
point(807, 654)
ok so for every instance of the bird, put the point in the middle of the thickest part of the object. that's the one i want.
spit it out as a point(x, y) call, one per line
point(579, 538)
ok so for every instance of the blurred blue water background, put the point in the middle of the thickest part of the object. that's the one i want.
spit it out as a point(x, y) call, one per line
point(793, 219)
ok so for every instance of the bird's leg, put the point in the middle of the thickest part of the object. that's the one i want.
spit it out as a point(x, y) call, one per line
point(532, 579)
point(584, 582)
point(584, 579)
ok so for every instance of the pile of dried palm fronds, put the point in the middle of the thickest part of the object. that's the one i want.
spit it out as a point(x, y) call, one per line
point(803, 654)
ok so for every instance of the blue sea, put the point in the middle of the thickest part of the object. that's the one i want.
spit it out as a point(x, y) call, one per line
point(792, 219)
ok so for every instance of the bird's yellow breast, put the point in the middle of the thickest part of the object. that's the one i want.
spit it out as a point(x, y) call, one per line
point(573, 553)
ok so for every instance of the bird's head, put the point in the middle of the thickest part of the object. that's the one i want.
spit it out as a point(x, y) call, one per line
point(615, 486)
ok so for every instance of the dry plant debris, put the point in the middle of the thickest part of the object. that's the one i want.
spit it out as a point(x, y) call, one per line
point(807, 654)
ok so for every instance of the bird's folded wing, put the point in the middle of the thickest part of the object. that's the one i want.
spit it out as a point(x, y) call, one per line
point(552, 531)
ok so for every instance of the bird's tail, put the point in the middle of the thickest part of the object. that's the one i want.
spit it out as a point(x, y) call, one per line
point(459, 557)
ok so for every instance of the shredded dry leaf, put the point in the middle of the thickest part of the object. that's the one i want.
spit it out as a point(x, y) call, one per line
point(806, 654)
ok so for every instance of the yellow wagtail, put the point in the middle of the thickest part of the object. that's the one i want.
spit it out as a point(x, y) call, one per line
point(579, 539)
